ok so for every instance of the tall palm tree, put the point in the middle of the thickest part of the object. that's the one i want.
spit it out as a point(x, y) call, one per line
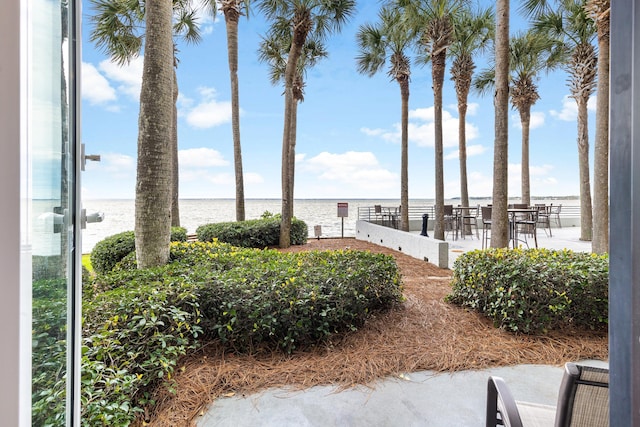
point(274, 50)
point(434, 20)
point(233, 10)
point(389, 39)
point(118, 30)
point(572, 26)
point(530, 53)
point(153, 178)
point(599, 11)
point(499, 219)
point(304, 17)
point(473, 33)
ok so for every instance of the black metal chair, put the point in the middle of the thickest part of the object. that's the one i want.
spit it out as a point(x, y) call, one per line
point(526, 225)
point(554, 212)
point(486, 225)
point(468, 220)
point(450, 221)
point(544, 218)
point(583, 400)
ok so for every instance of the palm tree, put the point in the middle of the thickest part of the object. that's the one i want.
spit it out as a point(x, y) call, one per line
point(473, 33)
point(572, 26)
point(599, 11)
point(274, 50)
point(499, 219)
point(390, 39)
point(303, 17)
point(153, 179)
point(434, 21)
point(232, 10)
point(530, 53)
point(118, 30)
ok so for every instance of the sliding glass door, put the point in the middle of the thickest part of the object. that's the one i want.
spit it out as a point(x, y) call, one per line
point(51, 100)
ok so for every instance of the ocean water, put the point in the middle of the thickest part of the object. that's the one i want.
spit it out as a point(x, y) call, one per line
point(119, 214)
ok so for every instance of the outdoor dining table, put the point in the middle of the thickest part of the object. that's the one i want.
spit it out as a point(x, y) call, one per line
point(513, 226)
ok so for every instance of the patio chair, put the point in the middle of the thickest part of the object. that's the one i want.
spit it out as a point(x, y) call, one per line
point(526, 225)
point(583, 400)
point(544, 218)
point(486, 225)
point(554, 212)
point(469, 220)
point(450, 221)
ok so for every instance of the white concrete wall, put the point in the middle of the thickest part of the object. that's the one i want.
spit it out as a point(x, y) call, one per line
point(421, 247)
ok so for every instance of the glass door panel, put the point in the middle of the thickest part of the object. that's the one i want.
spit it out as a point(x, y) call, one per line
point(52, 183)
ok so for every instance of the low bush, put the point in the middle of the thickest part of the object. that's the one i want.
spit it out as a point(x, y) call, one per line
point(292, 301)
point(534, 290)
point(133, 337)
point(110, 250)
point(139, 322)
point(256, 233)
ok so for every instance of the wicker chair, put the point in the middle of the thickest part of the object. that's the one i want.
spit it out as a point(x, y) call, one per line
point(583, 401)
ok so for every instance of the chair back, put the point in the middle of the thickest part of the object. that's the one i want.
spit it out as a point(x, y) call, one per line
point(486, 213)
point(520, 206)
point(377, 208)
point(448, 210)
point(583, 400)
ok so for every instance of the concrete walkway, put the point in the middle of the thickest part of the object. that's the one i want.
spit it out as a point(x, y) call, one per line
point(415, 399)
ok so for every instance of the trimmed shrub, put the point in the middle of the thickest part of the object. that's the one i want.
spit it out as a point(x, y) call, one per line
point(110, 250)
point(133, 337)
point(534, 290)
point(178, 234)
point(136, 330)
point(256, 233)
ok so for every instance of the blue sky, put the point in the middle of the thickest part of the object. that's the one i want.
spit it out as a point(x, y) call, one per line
point(348, 126)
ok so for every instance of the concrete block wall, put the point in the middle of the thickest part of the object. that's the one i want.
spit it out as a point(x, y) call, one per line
point(415, 245)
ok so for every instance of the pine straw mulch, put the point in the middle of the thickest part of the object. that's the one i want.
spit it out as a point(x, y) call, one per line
point(424, 333)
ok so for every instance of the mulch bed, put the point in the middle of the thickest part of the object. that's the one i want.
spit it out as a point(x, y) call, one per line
point(424, 333)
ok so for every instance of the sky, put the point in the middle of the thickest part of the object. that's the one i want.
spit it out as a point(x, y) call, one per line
point(348, 138)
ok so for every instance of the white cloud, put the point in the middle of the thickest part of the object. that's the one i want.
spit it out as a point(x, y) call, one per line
point(252, 178)
point(472, 150)
point(128, 77)
point(118, 166)
point(95, 87)
point(423, 134)
point(472, 108)
point(422, 130)
point(359, 169)
point(208, 113)
point(569, 111)
point(200, 158)
point(536, 120)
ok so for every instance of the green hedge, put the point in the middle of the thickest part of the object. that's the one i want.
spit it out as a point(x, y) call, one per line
point(110, 250)
point(534, 290)
point(256, 233)
point(135, 331)
point(133, 337)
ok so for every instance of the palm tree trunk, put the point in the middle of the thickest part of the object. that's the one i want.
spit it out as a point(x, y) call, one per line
point(462, 148)
point(287, 187)
point(154, 167)
point(292, 153)
point(231, 20)
point(600, 242)
point(525, 120)
point(404, 156)
point(586, 219)
point(175, 178)
point(499, 219)
point(438, 68)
